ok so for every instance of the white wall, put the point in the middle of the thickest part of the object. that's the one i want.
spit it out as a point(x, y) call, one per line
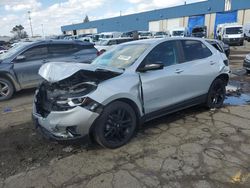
point(87, 31)
point(154, 26)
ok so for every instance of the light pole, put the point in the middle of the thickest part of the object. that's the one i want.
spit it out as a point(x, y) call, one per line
point(30, 24)
point(43, 31)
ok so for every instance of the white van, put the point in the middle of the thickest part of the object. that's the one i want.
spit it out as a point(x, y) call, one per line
point(232, 34)
point(108, 35)
point(179, 32)
point(246, 30)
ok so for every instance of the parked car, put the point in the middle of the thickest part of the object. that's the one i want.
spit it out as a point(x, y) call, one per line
point(161, 34)
point(145, 34)
point(106, 44)
point(199, 31)
point(19, 66)
point(246, 63)
point(2, 50)
point(219, 45)
point(131, 34)
point(179, 32)
point(108, 35)
point(246, 30)
point(133, 83)
point(232, 34)
point(86, 39)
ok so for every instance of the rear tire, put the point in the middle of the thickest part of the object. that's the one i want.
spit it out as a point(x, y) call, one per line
point(216, 94)
point(6, 89)
point(116, 125)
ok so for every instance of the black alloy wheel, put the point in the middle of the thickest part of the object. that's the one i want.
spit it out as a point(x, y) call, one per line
point(116, 125)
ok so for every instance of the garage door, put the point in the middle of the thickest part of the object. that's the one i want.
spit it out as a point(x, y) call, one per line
point(173, 23)
point(154, 26)
point(195, 21)
point(225, 17)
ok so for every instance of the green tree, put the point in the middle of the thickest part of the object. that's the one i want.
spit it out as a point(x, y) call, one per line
point(19, 32)
point(86, 19)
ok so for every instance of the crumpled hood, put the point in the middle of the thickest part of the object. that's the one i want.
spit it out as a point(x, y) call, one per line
point(57, 71)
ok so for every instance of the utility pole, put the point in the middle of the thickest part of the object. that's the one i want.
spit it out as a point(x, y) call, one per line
point(43, 31)
point(30, 24)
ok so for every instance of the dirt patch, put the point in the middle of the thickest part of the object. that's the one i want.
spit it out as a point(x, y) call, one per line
point(22, 147)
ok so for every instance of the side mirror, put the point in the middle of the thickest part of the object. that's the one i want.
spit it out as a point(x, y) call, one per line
point(150, 67)
point(20, 58)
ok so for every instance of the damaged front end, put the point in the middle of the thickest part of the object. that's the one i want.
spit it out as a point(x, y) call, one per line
point(63, 108)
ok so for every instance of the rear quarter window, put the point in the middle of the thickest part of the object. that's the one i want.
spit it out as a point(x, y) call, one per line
point(194, 50)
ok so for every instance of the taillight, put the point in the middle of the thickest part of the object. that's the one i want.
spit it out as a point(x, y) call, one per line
point(100, 52)
point(226, 62)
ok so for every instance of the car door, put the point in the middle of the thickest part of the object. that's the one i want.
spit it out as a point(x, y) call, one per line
point(26, 68)
point(162, 88)
point(199, 67)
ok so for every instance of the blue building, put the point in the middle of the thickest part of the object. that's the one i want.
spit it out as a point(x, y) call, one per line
point(209, 13)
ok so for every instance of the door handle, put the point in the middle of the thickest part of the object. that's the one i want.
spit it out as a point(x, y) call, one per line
point(45, 61)
point(212, 62)
point(178, 71)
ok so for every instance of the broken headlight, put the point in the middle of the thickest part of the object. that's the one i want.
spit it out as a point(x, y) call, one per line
point(84, 102)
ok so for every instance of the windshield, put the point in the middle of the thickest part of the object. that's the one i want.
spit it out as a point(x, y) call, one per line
point(178, 33)
point(234, 30)
point(122, 56)
point(13, 50)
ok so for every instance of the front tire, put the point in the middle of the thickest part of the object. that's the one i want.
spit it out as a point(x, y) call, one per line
point(116, 125)
point(216, 94)
point(6, 89)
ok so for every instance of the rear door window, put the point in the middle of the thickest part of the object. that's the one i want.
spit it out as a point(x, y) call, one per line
point(57, 50)
point(194, 50)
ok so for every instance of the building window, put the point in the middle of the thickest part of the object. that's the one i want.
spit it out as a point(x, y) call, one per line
point(228, 5)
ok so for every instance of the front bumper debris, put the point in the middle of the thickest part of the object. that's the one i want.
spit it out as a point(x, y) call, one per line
point(65, 125)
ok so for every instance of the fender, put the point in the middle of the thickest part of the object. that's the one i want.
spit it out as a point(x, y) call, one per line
point(11, 78)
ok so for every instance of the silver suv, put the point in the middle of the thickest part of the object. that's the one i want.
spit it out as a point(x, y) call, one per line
point(127, 86)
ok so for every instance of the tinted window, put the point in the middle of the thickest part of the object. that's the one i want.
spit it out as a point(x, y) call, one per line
point(194, 50)
point(63, 49)
point(165, 53)
point(35, 53)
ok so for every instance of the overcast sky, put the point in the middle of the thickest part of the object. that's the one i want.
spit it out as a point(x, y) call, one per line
point(52, 14)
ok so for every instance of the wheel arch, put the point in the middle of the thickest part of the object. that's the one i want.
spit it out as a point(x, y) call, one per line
point(224, 77)
point(7, 76)
point(127, 101)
